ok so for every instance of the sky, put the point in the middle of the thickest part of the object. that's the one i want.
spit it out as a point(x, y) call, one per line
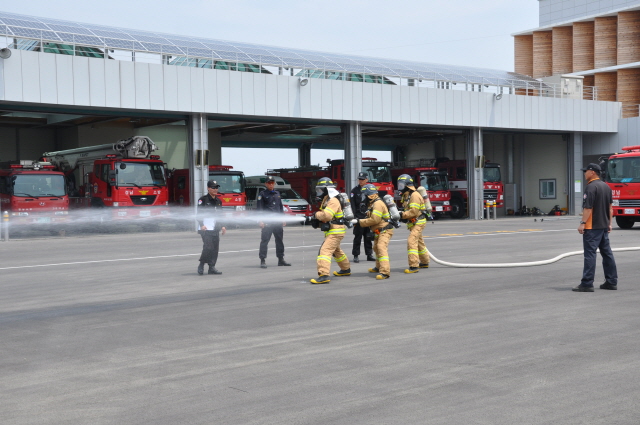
point(473, 33)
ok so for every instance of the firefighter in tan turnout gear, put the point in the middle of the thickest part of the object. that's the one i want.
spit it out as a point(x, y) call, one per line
point(377, 220)
point(330, 219)
point(415, 215)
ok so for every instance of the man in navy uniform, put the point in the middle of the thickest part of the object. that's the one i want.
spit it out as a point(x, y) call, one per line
point(270, 204)
point(360, 232)
point(210, 227)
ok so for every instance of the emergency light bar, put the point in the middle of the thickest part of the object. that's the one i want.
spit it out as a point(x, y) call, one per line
point(33, 165)
point(155, 157)
point(631, 148)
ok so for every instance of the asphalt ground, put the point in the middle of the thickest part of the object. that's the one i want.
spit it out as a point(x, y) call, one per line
point(119, 329)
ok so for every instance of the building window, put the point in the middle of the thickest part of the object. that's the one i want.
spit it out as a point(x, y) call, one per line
point(547, 188)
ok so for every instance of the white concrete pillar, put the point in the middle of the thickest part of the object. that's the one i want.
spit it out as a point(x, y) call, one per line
point(352, 153)
point(198, 154)
point(475, 168)
point(575, 176)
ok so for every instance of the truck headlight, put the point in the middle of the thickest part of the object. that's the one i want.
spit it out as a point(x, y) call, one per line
point(445, 203)
point(615, 202)
point(116, 204)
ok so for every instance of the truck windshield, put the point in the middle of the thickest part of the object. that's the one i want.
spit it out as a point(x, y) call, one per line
point(34, 185)
point(289, 194)
point(434, 182)
point(140, 174)
point(377, 173)
point(491, 174)
point(229, 183)
point(623, 170)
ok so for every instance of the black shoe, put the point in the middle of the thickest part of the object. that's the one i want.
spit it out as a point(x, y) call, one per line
point(355, 259)
point(581, 288)
point(321, 279)
point(201, 269)
point(423, 265)
point(213, 270)
point(371, 258)
point(607, 285)
point(343, 273)
point(281, 262)
point(263, 265)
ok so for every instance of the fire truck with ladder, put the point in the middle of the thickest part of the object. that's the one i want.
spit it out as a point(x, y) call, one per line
point(123, 177)
point(425, 174)
point(33, 193)
point(303, 179)
point(231, 192)
point(458, 184)
point(622, 174)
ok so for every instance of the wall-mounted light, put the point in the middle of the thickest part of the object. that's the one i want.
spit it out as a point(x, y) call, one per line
point(5, 53)
point(303, 81)
point(497, 96)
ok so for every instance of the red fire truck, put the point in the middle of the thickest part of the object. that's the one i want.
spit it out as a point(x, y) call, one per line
point(123, 177)
point(303, 179)
point(457, 172)
point(622, 174)
point(33, 193)
point(432, 179)
point(232, 187)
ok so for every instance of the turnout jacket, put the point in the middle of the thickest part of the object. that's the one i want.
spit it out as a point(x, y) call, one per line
point(414, 208)
point(207, 206)
point(331, 211)
point(377, 216)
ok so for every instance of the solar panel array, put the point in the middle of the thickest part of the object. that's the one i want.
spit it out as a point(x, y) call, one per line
point(104, 37)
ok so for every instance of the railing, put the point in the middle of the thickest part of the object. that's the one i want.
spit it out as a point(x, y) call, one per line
point(198, 58)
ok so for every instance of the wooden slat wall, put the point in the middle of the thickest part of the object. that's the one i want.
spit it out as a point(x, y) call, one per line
point(607, 83)
point(542, 54)
point(523, 45)
point(562, 49)
point(605, 42)
point(583, 46)
point(629, 90)
point(628, 36)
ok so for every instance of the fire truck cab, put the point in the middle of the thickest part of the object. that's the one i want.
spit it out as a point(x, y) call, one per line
point(433, 180)
point(124, 177)
point(622, 174)
point(33, 193)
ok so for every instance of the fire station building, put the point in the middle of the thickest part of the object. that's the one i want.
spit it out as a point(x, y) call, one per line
point(66, 84)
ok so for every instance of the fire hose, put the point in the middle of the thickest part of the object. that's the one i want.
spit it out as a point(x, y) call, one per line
point(526, 264)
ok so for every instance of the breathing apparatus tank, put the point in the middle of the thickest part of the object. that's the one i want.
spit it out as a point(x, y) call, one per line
point(393, 210)
point(423, 192)
point(346, 209)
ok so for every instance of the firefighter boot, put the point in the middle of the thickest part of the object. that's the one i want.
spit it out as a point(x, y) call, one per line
point(201, 269)
point(263, 265)
point(412, 270)
point(424, 265)
point(346, 272)
point(321, 279)
point(374, 270)
point(382, 276)
point(281, 262)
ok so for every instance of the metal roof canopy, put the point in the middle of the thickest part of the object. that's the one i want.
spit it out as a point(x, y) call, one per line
point(59, 31)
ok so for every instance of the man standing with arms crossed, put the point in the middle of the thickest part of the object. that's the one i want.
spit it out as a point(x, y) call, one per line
point(595, 226)
point(269, 202)
point(359, 232)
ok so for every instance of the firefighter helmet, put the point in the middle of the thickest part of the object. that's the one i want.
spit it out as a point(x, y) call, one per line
point(323, 185)
point(368, 190)
point(404, 181)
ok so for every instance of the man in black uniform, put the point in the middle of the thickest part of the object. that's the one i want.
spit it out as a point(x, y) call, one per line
point(359, 232)
point(595, 226)
point(269, 203)
point(210, 227)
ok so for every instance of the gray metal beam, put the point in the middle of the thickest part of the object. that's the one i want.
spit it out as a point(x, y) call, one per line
point(304, 155)
point(575, 177)
point(353, 153)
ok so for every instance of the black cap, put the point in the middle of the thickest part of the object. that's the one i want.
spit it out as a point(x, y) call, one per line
point(270, 179)
point(213, 184)
point(362, 176)
point(593, 167)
